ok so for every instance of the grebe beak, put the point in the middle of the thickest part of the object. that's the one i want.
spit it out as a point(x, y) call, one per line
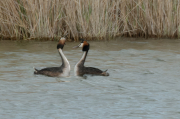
point(80, 45)
point(75, 46)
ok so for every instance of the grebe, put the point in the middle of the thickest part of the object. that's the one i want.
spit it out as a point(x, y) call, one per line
point(63, 70)
point(80, 69)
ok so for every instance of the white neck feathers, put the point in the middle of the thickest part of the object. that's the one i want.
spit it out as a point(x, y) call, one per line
point(64, 59)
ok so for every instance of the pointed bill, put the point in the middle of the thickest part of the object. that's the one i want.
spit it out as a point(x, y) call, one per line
point(79, 46)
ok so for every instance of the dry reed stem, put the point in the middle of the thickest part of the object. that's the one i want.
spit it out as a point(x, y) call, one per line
point(24, 19)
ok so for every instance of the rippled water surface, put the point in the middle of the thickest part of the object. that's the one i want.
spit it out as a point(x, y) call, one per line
point(144, 81)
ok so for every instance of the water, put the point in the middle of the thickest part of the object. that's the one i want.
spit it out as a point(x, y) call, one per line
point(143, 83)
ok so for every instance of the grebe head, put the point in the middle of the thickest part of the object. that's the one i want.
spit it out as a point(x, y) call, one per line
point(61, 43)
point(84, 45)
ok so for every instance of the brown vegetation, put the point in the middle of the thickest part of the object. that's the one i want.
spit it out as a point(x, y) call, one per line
point(31, 19)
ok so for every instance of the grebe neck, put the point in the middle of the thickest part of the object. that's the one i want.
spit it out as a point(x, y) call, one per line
point(83, 58)
point(65, 62)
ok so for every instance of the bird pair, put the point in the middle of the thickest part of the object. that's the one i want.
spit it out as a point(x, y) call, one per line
point(64, 69)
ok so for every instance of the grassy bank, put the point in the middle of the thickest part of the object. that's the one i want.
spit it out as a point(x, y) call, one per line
point(50, 19)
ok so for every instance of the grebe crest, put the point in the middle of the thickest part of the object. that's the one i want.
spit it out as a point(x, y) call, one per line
point(61, 43)
point(80, 69)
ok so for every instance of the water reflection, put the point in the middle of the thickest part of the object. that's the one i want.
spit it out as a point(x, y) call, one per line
point(143, 82)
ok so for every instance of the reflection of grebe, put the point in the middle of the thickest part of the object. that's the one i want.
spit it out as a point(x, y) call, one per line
point(63, 70)
point(80, 69)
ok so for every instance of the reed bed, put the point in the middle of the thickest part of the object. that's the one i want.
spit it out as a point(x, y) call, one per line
point(102, 19)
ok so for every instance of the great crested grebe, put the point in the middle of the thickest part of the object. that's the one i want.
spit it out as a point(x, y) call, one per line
point(80, 69)
point(63, 70)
